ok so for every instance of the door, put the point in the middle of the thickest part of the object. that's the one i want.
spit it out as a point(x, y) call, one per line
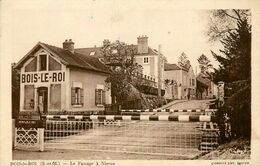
point(43, 99)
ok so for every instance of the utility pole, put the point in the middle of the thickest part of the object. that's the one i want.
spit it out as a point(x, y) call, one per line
point(159, 76)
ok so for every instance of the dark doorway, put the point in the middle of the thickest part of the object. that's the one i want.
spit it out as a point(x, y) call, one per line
point(43, 99)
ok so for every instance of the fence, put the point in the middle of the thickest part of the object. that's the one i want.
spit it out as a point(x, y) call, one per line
point(174, 135)
point(31, 138)
point(157, 135)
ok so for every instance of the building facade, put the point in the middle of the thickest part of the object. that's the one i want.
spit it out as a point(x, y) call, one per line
point(180, 82)
point(145, 56)
point(206, 89)
point(57, 79)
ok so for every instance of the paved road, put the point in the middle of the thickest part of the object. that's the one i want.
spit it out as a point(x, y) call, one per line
point(190, 104)
point(184, 105)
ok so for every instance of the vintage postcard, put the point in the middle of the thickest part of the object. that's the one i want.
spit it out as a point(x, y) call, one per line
point(109, 83)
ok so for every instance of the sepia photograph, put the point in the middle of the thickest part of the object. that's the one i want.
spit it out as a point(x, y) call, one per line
point(121, 80)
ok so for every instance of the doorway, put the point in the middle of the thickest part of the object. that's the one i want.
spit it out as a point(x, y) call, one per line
point(43, 99)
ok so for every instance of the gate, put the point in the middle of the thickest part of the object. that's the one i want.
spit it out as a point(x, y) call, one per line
point(182, 135)
point(29, 134)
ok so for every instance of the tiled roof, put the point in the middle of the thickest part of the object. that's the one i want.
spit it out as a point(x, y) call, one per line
point(98, 53)
point(168, 67)
point(75, 59)
point(87, 51)
point(78, 59)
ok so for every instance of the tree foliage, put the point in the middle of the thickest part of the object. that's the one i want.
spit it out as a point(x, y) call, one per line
point(235, 61)
point(221, 22)
point(233, 30)
point(204, 64)
point(120, 58)
point(183, 61)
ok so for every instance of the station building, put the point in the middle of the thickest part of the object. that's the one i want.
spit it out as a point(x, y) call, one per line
point(58, 79)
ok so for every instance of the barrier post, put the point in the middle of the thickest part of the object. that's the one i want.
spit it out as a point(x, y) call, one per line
point(15, 136)
point(41, 138)
point(13, 133)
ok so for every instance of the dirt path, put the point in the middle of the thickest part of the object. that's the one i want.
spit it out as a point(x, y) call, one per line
point(84, 154)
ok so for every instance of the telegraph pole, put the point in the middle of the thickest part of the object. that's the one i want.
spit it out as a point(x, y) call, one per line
point(159, 76)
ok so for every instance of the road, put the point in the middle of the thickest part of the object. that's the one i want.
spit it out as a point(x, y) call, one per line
point(143, 139)
point(190, 104)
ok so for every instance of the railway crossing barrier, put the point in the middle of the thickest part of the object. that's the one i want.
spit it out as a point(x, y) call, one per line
point(174, 135)
point(179, 135)
point(170, 110)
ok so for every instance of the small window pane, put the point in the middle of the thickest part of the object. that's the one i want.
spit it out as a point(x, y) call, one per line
point(43, 63)
point(92, 53)
point(146, 60)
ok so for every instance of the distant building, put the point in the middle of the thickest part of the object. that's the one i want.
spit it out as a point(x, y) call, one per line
point(61, 79)
point(182, 82)
point(146, 56)
point(206, 89)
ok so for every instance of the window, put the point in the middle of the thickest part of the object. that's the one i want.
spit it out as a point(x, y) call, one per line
point(55, 96)
point(100, 97)
point(77, 96)
point(193, 82)
point(29, 97)
point(43, 62)
point(92, 53)
point(146, 60)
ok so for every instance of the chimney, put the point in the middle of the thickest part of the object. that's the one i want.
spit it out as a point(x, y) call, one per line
point(142, 44)
point(106, 42)
point(68, 45)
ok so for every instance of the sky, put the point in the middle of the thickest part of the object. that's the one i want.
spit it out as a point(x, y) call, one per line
point(88, 24)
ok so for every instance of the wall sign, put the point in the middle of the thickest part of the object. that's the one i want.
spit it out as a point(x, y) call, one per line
point(29, 123)
point(43, 77)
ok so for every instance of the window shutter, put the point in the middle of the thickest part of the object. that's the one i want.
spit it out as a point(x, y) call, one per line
point(103, 97)
point(96, 96)
point(73, 96)
point(81, 96)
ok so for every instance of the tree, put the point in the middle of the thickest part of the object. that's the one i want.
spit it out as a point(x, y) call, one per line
point(234, 32)
point(221, 22)
point(183, 61)
point(236, 62)
point(120, 58)
point(204, 64)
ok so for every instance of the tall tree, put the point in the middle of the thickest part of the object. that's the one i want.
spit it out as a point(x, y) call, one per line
point(221, 22)
point(204, 64)
point(183, 61)
point(233, 30)
point(120, 58)
point(236, 39)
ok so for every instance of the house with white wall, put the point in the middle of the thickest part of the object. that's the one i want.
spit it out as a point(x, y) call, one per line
point(56, 79)
point(146, 56)
point(184, 82)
